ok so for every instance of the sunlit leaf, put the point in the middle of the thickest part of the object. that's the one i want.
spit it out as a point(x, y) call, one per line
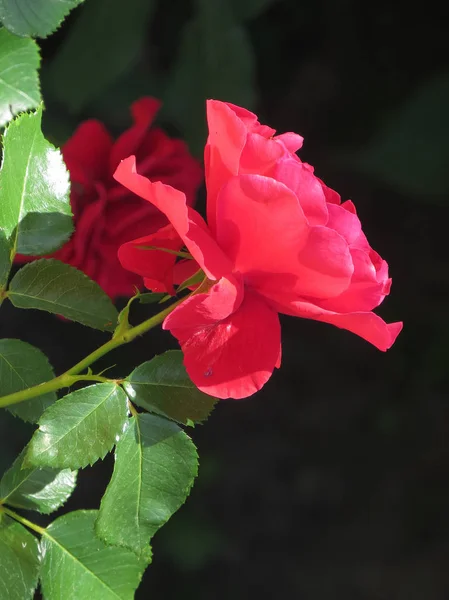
point(77, 564)
point(19, 81)
point(155, 466)
point(19, 561)
point(43, 490)
point(35, 213)
point(80, 428)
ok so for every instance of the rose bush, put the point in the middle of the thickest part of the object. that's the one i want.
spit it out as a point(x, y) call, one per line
point(106, 214)
point(278, 240)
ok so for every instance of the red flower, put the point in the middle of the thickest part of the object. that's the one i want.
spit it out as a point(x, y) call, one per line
point(106, 215)
point(277, 241)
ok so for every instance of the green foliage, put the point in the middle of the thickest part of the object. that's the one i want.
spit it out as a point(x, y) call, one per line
point(101, 46)
point(80, 428)
point(48, 284)
point(77, 564)
point(35, 214)
point(94, 554)
point(196, 279)
point(410, 151)
point(151, 297)
point(19, 82)
point(44, 490)
point(5, 262)
point(162, 386)
point(22, 366)
point(19, 561)
point(155, 466)
point(34, 18)
point(215, 60)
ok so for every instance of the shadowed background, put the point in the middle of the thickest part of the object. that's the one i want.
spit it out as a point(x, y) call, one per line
point(333, 482)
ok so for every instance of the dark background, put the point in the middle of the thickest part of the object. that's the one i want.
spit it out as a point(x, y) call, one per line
point(333, 482)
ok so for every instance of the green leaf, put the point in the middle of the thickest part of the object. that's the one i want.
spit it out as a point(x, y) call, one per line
point(155, 466)
point(5, 263)
point(19, 561)
point(77, 564)
point(162, 385)
point(410, 151)
point(34, 18)
point(80, 428)
point(215, 60)
point(196, 279)
point(19, 81)
point(180, 254)
point(102, 45)
point(123, 323)
point(35, 213)
point(21, 367)
point(48, 284)
point(151, 297)
point(44, 490)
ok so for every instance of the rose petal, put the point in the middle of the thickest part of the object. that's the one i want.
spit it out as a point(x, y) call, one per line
point(367, 325)
point(156, 266)
point(143, 112)
point(344, 221)
point(331, 195)
point(259, 154)
point(188, 223)
point(88, 230)
point(292, 141)
point(306, 186)
point(368, 286)
point(222, 299)
point(326, 264)
point(250, 120)
point(227, 137)
point(165, 159)
point(86, 153)
point(115, 281)
point(261, 228)
point(232, 356)
point(185, 269)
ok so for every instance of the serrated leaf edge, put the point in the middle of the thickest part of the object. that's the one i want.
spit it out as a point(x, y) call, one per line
point(48, 536)
point(15, 115)
point(28, 461)
point(4, 500)
point(45, 35)
point(141, 554)
point(11, 293)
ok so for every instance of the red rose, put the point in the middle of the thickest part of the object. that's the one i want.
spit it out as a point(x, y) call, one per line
point(106, 215)
point(277, 241)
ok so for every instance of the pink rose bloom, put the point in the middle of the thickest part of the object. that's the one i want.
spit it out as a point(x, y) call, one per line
point(277, 240)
